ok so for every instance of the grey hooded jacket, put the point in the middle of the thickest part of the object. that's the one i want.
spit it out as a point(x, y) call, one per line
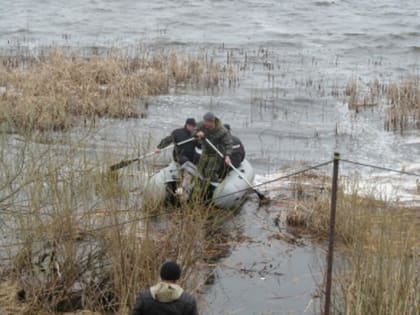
point(165, 299)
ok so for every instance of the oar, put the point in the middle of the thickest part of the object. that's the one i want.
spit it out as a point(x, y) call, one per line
point(263, 199)
point(125, 163)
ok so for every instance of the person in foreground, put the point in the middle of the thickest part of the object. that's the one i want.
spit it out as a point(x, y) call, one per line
point(166, 297)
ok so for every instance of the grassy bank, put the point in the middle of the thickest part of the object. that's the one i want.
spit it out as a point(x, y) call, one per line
point(378, 257)
point(74, 239)
point(58, 90)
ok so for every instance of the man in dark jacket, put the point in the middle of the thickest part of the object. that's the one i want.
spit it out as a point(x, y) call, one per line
point(186, 151)
point(238, 150)
point(211, 165)
point(166, 297)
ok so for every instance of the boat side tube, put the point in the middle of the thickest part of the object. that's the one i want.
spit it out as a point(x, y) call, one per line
point(231, 192)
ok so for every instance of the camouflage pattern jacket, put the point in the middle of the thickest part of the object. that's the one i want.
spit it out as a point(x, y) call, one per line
point(219, 136)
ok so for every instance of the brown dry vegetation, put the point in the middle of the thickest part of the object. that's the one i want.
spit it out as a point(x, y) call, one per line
point(379, 246)
point(76, 240)
point(402, 99)
point(69, 263)
point(361, 96)
point(55, 91)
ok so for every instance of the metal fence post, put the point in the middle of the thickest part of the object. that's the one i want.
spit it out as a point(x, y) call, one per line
point(331, 235)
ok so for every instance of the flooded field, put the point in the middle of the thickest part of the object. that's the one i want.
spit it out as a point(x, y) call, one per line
point(290, 64)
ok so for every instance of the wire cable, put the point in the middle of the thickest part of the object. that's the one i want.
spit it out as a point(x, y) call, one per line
point(278, 179)
point(380, 168)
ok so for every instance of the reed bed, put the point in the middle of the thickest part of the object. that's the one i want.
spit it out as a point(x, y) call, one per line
point(404, 100)
point(378, 258)
point(361, 96)
point(57, 90)
point(75, 242)
point(401, 98)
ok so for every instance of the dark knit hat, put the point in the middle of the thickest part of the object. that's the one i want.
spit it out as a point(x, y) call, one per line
point(227, 126)
point(170, 271)
point(209, 117)
point(190, 121)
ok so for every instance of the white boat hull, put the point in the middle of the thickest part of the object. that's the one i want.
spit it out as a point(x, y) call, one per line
point(228, 194)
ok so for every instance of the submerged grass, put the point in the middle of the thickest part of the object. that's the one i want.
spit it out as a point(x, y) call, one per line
point(402, 100)
point(360, 96)
point(57, 90)
point(377, 269)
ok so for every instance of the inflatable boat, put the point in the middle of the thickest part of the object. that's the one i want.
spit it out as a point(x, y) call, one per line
point(228, 194)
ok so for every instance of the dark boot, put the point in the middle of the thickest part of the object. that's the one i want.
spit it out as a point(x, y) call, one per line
point(172, 198)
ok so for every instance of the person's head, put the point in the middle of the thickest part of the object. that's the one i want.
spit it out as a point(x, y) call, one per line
point(170, 271)
point(227, 127)
point(190, 124)
point(209, 120)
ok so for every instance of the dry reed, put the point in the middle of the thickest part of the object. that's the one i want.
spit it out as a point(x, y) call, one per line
point(402, 100)
point(404, 105)
point(56, 91)
point(76, 243)
point(362, 96)
point(379, 250)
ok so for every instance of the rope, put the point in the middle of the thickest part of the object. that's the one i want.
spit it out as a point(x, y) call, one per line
point(295, 173)
point(105, 227)
point(239, 191)
point(380, 168)
point(278, 178)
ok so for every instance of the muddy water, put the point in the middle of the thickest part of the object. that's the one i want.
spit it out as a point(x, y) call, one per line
point(292, 58)
point(264, 275)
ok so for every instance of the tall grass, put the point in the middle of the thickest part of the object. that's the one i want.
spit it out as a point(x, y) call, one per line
point(77, 237)
point(404, 100)
point(360, 96)
point(76, 240)
point(378, 260)
point(57, 90)
point(401, 100)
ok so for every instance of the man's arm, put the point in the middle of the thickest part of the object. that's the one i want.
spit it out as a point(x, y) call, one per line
point(165, 141)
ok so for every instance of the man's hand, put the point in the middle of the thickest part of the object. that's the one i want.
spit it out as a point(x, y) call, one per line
point(156, 150)
point(228, 161)
point(200, 134)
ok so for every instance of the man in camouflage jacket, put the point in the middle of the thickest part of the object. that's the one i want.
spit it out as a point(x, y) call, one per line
point(211, 164)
